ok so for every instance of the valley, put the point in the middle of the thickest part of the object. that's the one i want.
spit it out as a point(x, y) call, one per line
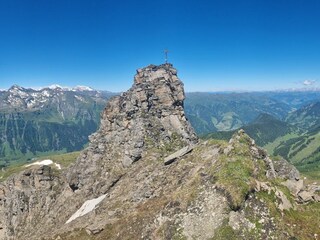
point(50, 120)
point(295, 137)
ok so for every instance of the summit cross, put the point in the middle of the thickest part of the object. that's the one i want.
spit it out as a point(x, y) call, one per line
point(166, 55)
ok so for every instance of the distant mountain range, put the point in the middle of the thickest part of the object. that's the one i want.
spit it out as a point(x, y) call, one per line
point(296, 137)
point(306, 117)
point(78, 88)
point(59, 119)
point(302, 145)
point(264, 129)
point(50, 119)
point(212, 112)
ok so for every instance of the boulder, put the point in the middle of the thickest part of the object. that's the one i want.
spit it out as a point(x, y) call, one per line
point(305, 196)
point(183, 151)
point(285, 170)
point(284, 204)
point(295, 186)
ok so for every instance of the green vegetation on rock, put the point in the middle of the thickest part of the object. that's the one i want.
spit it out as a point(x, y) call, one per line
point(64, 160)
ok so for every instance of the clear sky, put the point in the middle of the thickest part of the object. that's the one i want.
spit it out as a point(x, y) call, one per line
point(214, 44)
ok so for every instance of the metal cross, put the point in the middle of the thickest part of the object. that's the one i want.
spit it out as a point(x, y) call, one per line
point(166, 55)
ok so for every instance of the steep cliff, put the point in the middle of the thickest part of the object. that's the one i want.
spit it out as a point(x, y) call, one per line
point(150, 115)
point(145, 175)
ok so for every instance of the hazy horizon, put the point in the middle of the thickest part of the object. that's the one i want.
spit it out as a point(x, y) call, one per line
point(302, 89)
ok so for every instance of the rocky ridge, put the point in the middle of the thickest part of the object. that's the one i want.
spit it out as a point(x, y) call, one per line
point(145, 175)
point(20, 98)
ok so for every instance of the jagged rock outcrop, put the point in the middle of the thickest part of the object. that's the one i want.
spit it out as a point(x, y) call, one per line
point(25, 200)
point(150, 114)
point(145, 175)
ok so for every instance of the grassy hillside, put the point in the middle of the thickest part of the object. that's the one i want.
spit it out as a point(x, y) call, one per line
point(23, 139)
point(37, 122)
point(302, 148)
point(264, 129)
point(296, 137)
point(63, 159)
point(211, 112)
point(306, 117)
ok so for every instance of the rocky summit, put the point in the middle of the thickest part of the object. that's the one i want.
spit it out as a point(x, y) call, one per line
point(146, 175)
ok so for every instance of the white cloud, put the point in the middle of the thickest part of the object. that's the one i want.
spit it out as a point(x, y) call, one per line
point(309, 82)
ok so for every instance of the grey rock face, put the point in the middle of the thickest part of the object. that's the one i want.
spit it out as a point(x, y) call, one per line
point(285, 170)
point(149, 114)
point(22, 197)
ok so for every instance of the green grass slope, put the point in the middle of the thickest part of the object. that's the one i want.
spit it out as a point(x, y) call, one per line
point(64, 160)
point(264, 129)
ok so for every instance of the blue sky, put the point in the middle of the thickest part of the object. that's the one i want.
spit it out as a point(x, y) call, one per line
point(215, 45)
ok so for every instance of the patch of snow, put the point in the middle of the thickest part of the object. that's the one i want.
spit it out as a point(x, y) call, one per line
point(31, 103)
point(36, 88)
point(45, 162)
point(58, 165)
point(15, 86)
point(45, 93)
point(87, 207)
point(62, 115)
point(54, 86)
point(18, 91)
point(82, 88)
point(59, 87)
point(79, 98)
point(78, 88)
point(14, 101)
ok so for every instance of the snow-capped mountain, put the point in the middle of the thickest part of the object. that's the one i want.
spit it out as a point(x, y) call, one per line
point(82, 88)
point(56, 86)
point(47, 119)
point(78, 88)
point(29, 98)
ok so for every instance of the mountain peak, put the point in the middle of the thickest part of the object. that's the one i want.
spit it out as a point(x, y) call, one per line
point(82, 88)
point(16, 87)
point(55, 86)
point(155, 73)
point(77, 88)
point(157, 93)
point(150, 115)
